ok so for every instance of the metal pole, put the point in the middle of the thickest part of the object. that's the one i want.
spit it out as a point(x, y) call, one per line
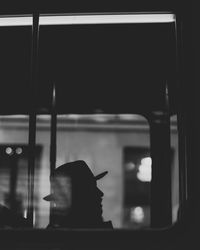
point(13, 182)
point(32, 118)
point(53, 132)
point(53, 141)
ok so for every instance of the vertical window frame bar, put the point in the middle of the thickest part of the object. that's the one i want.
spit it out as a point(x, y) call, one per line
point(181, 118)
point(32, 118)
point(161, 185)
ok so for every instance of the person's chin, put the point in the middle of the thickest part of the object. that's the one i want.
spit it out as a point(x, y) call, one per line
point(100, 213)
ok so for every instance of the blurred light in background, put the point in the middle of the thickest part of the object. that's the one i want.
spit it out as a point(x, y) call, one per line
point(101, 117)
point(130, 166)
point(137, 214)
point(25, 213)
point(144, 170)
point(130, 117)
point(18, 151)
point(9, 151)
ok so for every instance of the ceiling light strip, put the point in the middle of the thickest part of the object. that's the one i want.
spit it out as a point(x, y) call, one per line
point(16, 20)
point(106, 19)
point(87, 19)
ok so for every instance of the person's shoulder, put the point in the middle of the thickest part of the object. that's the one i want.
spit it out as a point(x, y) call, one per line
point(9, 218)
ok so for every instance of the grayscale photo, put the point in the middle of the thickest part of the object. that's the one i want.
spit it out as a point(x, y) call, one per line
point(98, 127)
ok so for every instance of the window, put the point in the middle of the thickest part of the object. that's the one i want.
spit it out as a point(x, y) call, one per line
point(104, 89)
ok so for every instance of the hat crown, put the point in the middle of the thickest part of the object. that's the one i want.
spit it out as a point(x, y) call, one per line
point(76, 169)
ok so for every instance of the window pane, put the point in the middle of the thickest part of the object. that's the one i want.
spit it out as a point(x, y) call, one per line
point(15, 66)
point(104, 75)
point(115, 68)
point(109, 69)
point(14, 169)
point(119, 144)
point(102, 142)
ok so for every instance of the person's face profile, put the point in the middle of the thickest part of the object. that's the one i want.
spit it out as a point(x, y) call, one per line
point(99, 198)
point(87, 197)
point(93, 197)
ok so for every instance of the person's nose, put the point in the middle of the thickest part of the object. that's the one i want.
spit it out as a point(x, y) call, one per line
point(100, 193)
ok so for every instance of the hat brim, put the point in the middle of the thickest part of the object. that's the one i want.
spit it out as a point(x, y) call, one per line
point(50, 197)
point(99, 176)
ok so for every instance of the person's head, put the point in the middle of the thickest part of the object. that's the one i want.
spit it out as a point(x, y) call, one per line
point(75, 196)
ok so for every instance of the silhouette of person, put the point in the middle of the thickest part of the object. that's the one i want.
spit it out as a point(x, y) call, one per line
point(10, 219)
point(76, 199)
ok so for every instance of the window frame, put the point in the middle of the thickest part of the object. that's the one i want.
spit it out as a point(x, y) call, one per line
point(155, 237)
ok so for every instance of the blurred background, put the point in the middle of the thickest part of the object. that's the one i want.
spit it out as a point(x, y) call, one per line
point(119, 144)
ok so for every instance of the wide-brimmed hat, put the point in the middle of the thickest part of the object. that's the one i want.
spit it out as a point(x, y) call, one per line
point(78, 170)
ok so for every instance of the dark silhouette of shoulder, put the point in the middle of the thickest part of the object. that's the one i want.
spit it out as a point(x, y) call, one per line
point(9, 219)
